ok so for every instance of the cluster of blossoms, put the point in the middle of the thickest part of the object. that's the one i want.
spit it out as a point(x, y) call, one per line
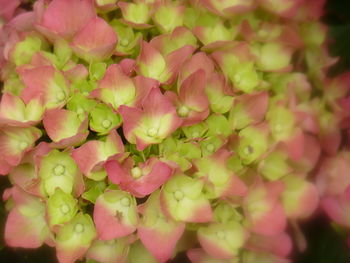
point(135, 130)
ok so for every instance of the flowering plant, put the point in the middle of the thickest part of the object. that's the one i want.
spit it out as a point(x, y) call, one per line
point(135, 130)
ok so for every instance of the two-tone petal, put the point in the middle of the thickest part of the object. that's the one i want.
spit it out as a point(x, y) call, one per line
point(115, 214)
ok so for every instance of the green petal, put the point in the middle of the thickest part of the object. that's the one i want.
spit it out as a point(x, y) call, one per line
point(97, 70)
point(218, 125)
point(103, 119)
point(58, 170)
point(61, 207)
point(25, 49)
point(275, 166)
point(80, 104)
point(252, 145)
point(79, 232)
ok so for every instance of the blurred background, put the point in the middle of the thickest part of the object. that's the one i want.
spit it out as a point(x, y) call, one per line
point(326, 243)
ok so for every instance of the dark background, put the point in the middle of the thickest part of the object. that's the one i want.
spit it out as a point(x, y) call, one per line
point(325, 244)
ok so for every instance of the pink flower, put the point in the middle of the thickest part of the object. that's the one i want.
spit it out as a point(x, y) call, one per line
point(263, 210)
point(192, 102)
point(66, 17)
point(140, 180)
point(115, 214)
point(91, 156)
point(151, 123)
point(155, 227)
point(164, 68)
point(26, 223)
point(95, 41)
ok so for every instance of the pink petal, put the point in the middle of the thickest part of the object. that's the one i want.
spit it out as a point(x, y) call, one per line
point(198, 61)
point(284, 8)
point(333, 176)
point(235, 187)
point(175, 60)
point(5, 168)
point(36, 81)
point(131, 120)
point(8, 8)
point(255, 105)
point(11, 141)
point(127, 65)
point(272, 223)
point(55, 123)
point(108, 224)
point(214, 249)
point(91, 154)
point(116, 172)
point(156, 105)
point(335, 210)
point(295, 145)
point(153, 240)
point(280, 245)
point(143, 87)
point(19, 231)
point(96, 41)
point(71, 255)
point(67, 17)
point(192, 91)
point(331, 140)
point(148, 183)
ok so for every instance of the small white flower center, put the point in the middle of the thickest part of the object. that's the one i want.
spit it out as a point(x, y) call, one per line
point(248, 150)
point(278, 127)
point(64, 209)
point(183, 111)
point(237, 78)
point(124, 42)
point(59, 169)
point(80, 111)
point(179, 195)
point(152, 132)
point(125, 201)
point(78, 228)
point(60, 95)
point(210, 147)
point(195, 134)
point(106, 124)
point(136, 172)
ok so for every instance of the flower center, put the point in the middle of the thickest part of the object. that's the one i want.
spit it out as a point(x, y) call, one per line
point(248, 150)
point(210, 147)
point(152, 132)
point(183, 111)
point(23, 145)
point(60, 95)
point(136, 172)
point(80, 111)
point(124, 42)
point(195, 134)
point(106, 124)
point(179, 195)
point(64, 209)
point(278, 127)
point(237, 78)
point(59, 169)
point(125, 201)
point(78, 228)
